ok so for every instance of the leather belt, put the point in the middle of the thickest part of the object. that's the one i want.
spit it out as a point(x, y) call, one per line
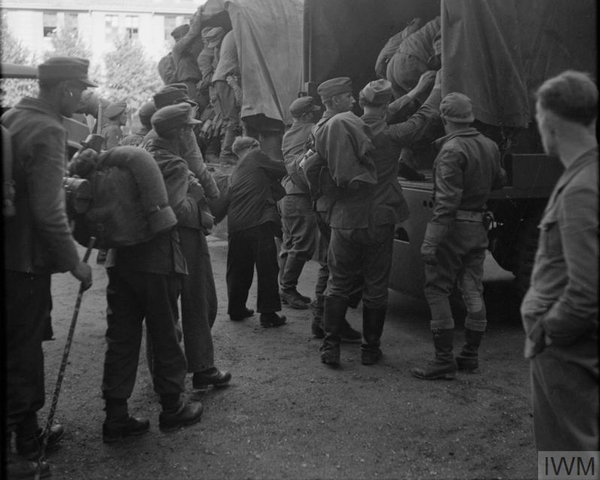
point(470, 216)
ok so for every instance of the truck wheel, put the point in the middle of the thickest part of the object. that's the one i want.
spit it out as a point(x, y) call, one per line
point(526, 248)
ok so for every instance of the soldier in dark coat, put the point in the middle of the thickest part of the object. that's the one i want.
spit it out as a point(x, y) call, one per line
point(38, 243)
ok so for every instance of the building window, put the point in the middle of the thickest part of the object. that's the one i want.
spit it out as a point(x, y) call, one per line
point(170, 24)
point(71, 22)
point(50, 23)
point(111, 27)
point(132, 26)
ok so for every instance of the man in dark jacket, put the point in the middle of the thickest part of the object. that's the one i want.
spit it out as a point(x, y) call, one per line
point(298, 219)
point(466, 170)
point(252, 224)
point(197, 315)
point(188, 45)
point(144, 281)
point(38, 243)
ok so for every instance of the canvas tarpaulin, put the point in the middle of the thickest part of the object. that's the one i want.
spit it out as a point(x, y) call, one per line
point(498, 52)
point(268, 36)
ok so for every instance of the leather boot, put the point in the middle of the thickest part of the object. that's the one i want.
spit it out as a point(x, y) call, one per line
point(333, 318)
point(289, 281)
point(119, 424)
point(178, 414)
point(316, 327)
point(443, 367)
point(467, 359)
point(373, 320)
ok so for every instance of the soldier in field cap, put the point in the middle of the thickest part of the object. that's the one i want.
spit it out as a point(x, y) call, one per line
point(116, 113)
point(466, 169)
point(297, 218)
point(38, 243)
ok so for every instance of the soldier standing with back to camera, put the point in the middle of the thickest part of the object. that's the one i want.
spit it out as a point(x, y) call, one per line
point(38, 243)
point(466, 169)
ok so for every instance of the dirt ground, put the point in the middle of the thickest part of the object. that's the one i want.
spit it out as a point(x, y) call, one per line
point(287, 416)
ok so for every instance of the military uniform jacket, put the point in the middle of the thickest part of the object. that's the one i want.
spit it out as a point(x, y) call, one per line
point(293, 146)
point(563, 297)
point(162, 254)
point(251, 199)
point(466, 169)
point(38, 239)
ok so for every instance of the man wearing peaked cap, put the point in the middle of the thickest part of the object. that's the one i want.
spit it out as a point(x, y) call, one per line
point(185, 51)
point(198, 294)
point(334, 86)
point(37, 243)
point(298, 221)
point(466, 169)
point(387, 205)
point(116, 113)
point(172, 94)
point(174, 117)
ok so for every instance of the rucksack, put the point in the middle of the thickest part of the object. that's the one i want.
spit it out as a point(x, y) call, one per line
point(129, 202)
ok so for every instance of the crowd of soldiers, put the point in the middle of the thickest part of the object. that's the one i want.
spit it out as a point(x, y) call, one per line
point(335, 198)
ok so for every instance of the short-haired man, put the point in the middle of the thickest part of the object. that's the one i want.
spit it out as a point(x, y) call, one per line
point(560, 310)
point(466, 170)
point(253, 222)
point(38, 243)
point(298, 220)
point(144, 281)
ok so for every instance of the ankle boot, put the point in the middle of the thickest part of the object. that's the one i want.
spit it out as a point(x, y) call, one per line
point(119, 424)
point(333, 318)
point(373, 320)
point(443, 367)
point(289, 281)
point(468, 358)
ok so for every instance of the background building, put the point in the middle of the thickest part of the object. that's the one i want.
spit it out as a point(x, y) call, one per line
point(98, 22)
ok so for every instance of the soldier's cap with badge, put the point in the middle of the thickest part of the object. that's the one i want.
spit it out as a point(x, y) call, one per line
point(377, 92)
point(303, 105)
point(180, 31)
point(334, 86)
point(65, 68)
point(172, 94)
point(457, 108)
point(115, 109)
point(146, 111)
point(212, 36)
point(172, 117)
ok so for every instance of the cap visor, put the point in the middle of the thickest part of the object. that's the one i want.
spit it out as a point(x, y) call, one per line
point(192, 103)
point(193, 121)
point(87, 83)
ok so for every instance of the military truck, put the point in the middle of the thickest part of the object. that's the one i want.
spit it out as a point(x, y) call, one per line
point(497, 52)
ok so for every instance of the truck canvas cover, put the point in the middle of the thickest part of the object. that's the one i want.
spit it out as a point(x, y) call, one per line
point(500, 51)
point(268, 36)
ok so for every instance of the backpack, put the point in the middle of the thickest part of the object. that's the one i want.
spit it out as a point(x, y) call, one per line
point(129, 203)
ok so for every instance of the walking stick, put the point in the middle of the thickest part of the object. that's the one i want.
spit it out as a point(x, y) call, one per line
point(63, 366)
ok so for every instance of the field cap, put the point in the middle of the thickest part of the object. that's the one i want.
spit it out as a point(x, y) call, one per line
point(172, 94)
point(172, 117)
point(115, 109)
point(242, 143)
point(180, 31)
point(378, 92)
point(457, 108)
point(334, 86)
point(303, 105)
point(65, 68)
point(146, 111)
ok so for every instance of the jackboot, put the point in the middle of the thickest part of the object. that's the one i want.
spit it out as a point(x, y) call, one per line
point(468, 358)
point(373, 320)
point(333, 318)
point(443, 367)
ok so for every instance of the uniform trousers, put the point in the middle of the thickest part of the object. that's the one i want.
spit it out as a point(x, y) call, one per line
point(248, 248)
point(564, 382)
point(231, 119)
point(368, 250)
point(198, 301)
point(28, 301)
point(460, 261)
point(299, 226)
point(132, 298)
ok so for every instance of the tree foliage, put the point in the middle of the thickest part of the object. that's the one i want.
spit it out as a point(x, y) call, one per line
point(13, 51)
point(67, 43)
point(130, 75)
